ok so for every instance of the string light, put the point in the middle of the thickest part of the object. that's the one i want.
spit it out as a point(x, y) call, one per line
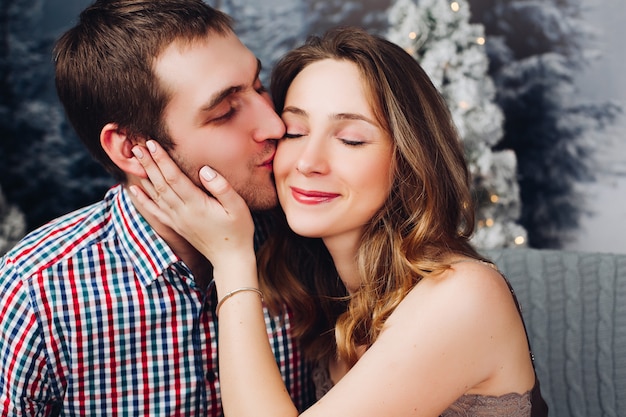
point(480, 40)
point(489, 222)
point(412, 35)
point(455, 6)
point(520, 240)
point(494, 198)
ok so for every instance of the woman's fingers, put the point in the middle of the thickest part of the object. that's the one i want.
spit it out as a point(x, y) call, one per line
point(164, 179)
point(150, 206)
point(231, 231)
point(166, 192)
point(169, 187)
point(215, 223)
point(154, 185)
point(222, 191)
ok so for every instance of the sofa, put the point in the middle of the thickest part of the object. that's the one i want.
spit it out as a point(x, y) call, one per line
point(574, 306)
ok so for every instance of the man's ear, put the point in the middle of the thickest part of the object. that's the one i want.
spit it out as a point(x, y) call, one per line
point(118, 145)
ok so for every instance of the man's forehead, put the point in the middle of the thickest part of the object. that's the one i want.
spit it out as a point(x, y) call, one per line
point(222, 47)
point(197, 77)
point(183, 44)
point(219, 58)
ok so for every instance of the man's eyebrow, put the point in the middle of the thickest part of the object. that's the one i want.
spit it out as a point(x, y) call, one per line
point(220, 96)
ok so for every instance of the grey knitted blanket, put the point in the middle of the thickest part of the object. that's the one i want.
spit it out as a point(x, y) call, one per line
point(574, 306)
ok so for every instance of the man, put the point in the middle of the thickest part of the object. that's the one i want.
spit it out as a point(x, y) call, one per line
point(106, 310)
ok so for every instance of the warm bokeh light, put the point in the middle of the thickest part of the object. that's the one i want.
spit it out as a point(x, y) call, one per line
point(455, 6)
point(520, 240)
point(480, 40)
point(412, 35)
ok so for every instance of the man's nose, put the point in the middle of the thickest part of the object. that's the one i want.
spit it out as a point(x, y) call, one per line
point(270, 125)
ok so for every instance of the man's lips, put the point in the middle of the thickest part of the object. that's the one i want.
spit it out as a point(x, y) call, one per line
point(312, 196)
point(269, 162)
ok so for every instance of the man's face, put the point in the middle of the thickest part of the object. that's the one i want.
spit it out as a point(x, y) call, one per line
point(220, 115)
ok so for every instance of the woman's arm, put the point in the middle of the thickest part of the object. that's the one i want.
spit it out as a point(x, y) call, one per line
point(219, 225)
point(455, 334)
point(221, 228)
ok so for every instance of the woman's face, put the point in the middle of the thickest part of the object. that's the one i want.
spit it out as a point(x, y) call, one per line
point(333, 169)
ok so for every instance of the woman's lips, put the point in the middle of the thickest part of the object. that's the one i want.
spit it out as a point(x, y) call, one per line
point(312, 197)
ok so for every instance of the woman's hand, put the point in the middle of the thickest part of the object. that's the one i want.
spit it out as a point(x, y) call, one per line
point(218, 224)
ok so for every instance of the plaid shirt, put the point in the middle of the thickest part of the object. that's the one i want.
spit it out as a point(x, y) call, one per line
point(99, 317)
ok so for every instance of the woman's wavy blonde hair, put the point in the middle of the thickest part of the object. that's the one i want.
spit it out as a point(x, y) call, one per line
point(428, 215)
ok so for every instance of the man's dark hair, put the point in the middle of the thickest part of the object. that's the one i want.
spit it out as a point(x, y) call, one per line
point(105, 66)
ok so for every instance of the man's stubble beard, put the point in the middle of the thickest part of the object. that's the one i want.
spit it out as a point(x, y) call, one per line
point(257, 198)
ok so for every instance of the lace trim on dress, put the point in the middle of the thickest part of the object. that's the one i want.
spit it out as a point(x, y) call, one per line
point(322, 381)
point(468, 405)
point(474, 405)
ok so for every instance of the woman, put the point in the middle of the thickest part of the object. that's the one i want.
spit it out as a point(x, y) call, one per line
point(372, 179)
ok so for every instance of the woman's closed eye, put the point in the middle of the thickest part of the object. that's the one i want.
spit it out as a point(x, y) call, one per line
point(289, 135)
point(348, 142)
point(352, 142)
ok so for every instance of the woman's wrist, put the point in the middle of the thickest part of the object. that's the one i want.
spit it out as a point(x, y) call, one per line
point(235, 292)
point(235, 273)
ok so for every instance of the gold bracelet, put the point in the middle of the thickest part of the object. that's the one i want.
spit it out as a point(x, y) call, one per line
point(233, 292)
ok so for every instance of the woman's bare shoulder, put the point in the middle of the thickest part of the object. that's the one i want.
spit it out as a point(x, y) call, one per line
point(468, 305)
point(468, 284)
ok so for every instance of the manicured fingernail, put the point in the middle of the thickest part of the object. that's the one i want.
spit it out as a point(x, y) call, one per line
point(207, 173)
point(137, 152)
point(151, 146)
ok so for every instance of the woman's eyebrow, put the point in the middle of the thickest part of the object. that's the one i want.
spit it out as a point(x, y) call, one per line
point(335, 116)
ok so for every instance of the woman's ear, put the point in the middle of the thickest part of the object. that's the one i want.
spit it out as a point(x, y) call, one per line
point(118, 145)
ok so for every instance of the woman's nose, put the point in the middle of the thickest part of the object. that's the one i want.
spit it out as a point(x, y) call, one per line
point(313, 158)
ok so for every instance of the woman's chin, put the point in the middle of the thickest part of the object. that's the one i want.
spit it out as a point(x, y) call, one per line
point(305, 228)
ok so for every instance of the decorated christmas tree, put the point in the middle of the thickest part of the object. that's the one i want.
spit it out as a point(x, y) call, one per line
point(438, 33)
point(537, 50)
